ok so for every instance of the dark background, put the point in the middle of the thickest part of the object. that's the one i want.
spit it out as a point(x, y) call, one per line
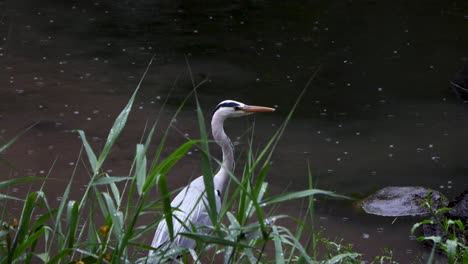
point(380, 111)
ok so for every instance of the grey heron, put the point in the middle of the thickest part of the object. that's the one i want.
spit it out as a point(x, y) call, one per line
point(190, 210)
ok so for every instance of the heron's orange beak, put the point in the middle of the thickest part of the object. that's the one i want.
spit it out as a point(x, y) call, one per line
point(257, 109)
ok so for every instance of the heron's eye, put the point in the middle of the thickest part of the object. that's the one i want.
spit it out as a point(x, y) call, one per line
point(236, 108)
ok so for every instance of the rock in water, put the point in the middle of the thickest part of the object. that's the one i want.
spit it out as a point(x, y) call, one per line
point(459, 207)
point(402, 201)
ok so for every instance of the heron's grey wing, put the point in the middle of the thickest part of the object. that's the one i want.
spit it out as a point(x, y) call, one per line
point(190, 204)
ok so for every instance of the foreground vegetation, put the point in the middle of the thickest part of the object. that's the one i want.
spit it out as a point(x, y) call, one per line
point(449, 234)
point(105, 226)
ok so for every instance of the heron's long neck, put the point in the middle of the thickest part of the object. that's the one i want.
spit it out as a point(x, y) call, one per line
point(227, 166)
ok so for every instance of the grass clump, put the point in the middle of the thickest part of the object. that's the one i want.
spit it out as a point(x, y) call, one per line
point(103, 225)
point(449, 235)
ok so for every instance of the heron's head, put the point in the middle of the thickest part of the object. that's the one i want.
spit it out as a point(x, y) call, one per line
point(231, 108)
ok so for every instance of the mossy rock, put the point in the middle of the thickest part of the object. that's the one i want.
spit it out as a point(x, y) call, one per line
point(403, 201)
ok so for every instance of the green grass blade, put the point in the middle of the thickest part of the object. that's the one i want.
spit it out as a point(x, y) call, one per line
point(119, 123)
point(165, 196)
point(166, 165)
point(299, 194)
point(62, 207)
point(342, 257)
point(213, 240)
point(72, 222)
point(258, 198)
point(92, 237)
point(452, 247)
point(206, 167)
point(430, 259)
point(140, 172)
point(115, 215)
point(30, 241)
point(11, 141)
point(42, 220)
point(108, 180)
point(279, 255)
point(60, 256)
point(465, 255)
point(24, 223)
point(8, 183)
point(89, 151)
point(424, 222)
point(8, 197)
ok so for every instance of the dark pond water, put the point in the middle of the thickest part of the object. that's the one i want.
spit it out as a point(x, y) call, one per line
point(379, 113)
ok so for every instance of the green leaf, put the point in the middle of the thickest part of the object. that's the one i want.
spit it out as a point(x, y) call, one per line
point(206, 167)
point(119, 124)
point(43, 256)
point(424, 222)
point(279, 255)
point(115, 215)
point(11, 141)
point(435, 239)
point(452, 250)
point(167, 209)
point(29, 241)
point(459, 223)
point(41, 220)
point(465, 255)
point(443, 210)
point(108, 180)
point(8, 197)
point(299, 194)
point(72, 222)
point(26, 216)
point(7, 183)
point(213, 240)
point(342, 257)
point(89, 151)
point(61, 209)
point(140, 172)
point(166, 165)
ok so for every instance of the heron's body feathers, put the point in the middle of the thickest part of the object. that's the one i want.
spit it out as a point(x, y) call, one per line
point(189, 209)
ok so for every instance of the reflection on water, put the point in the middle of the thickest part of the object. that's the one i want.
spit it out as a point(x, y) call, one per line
point(379, 113)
